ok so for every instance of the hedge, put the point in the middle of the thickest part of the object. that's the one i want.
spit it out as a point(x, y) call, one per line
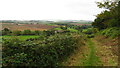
point(47, 52)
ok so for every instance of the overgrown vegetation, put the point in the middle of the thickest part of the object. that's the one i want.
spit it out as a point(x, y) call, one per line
point(6, 31)
point(108, 18)
point(49, 51)
point(108, 21)
point(51, 47)
point(20, 37)
point(48, 48)
point(111, 32)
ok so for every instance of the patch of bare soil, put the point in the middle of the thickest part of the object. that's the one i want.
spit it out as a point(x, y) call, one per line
point(107, 50)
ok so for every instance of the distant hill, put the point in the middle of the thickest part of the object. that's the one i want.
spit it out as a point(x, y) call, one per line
point(46, 21)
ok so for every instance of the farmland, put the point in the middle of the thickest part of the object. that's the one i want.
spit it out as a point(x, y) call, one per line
point(66, 45)
point(37, 43)
point(32, 27)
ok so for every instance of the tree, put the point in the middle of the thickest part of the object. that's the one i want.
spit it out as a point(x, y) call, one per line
point(27, 32)
point(6, 31)
point(108, 18)
point(17, 33)
point(0, 33)
point(37, 32)
point(107, 4)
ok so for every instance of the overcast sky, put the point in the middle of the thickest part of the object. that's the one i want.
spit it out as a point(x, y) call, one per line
point(48, 9)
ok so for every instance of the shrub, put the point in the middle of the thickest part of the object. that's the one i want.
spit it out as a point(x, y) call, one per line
point(90, 36)
point(88, 31)
point(111, 32)
point(27, 32)
point(49, 51)
point(6, 31)
point(72, 30)
point(16, 33)
point(37, 32)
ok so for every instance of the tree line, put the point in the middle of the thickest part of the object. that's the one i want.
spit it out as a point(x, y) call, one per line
point(109, 17)
point(64, 29)
point(6, 31)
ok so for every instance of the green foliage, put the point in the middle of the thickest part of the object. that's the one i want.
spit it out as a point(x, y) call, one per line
point(6, 31)
point(108, 18)
point(90, 36)
point(49, 51)
point(72, 30)
point(63, 28)
point(27, 32)
point(57, 29)
point(111, 32)
point(20, 37)
point(0, 33)
point(49, 32)
point(16, 33)
point(107, 4)
point(95, 30)
point(88, 31)
point(37, 32)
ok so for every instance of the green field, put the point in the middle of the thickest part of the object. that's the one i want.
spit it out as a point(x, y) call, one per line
point(18, 37)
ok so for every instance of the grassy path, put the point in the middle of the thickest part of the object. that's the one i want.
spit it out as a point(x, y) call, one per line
point(98, 51)
point(84, 56)
point(91, 59)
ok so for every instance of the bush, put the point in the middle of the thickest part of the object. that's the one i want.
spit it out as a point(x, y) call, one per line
point(72, 30)
point(16, 33)
point(111, 32)
point(0, 33)
point(27, 32)
point(90, 36)
point(37, 32)
point(88, 31)
point(49, 51)
point(6, 31)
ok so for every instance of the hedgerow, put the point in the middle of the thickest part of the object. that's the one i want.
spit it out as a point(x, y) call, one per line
point(49, 51)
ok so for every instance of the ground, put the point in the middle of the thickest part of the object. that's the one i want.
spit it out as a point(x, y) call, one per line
point(21, 27)
point(98, 51)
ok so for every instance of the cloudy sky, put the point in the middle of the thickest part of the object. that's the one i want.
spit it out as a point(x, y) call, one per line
point(48, 9)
